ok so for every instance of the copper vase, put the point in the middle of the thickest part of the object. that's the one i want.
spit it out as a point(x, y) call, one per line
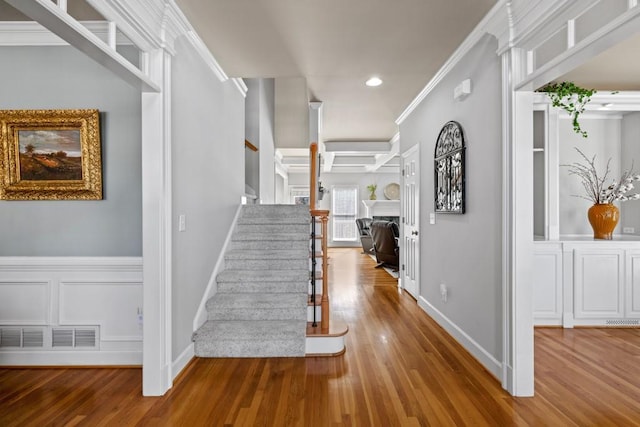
point(603, 218)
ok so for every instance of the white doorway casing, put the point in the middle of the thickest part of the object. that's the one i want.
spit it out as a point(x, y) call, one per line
point(410, 222)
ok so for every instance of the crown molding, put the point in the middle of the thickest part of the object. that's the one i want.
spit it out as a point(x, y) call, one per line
point(494, 22)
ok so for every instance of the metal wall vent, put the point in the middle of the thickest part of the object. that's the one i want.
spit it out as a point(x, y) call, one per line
point(10, 337)
point(85, 338)
point(21, 337)
point(61, 337)
point(32, 337)
point(74, 337)
point(623, 322)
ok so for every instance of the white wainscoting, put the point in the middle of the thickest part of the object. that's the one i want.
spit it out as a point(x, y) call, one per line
point(73, 293)
point(587, 283)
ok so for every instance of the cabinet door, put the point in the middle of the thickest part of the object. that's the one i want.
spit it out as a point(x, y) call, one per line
point(633, 285)
point(547, 287)
point(598, 284)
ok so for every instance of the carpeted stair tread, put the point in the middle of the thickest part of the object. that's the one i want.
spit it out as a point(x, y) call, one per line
point(252, 329)
point(257, 235)
point(273, 228)
point(275, 211)
point(260, 254)
point(265, 301)
point(263, 276)
point(275, 220)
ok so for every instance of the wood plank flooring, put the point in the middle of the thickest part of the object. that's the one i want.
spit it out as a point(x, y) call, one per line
point(400, 369)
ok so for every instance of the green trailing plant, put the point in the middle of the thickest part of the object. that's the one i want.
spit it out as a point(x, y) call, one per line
point(571, 98)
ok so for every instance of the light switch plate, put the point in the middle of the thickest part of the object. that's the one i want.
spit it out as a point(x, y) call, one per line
point(182, 223)
point(432, 218)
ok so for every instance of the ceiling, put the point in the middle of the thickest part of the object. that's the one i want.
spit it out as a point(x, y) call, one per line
point(325, 50)
point(334, 46)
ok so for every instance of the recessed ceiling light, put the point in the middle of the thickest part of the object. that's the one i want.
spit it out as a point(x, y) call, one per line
point(373, 81)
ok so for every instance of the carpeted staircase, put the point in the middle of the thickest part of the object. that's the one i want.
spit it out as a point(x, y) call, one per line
point(260, 308)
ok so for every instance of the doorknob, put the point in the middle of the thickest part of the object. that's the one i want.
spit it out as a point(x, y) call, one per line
point(414, 233)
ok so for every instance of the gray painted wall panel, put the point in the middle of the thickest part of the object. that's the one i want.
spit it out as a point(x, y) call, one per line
point(208, 179)
point(464, 251)
point(63, 78)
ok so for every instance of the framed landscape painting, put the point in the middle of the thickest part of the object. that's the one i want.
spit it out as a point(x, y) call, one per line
point(50, 155)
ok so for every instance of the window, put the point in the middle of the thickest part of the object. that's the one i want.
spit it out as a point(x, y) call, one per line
point(344, 209)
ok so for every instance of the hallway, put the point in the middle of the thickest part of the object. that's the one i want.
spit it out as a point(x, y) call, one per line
point(399, 369)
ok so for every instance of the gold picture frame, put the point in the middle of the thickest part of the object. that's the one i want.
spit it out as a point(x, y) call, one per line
point(50, 155)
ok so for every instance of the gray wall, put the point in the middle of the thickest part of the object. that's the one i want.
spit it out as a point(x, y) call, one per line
point(267, 143)
point(630, 212)
point(208, 179)
point(63, 78)
point(603, 142)
point(464, 251)
point(252, 134)
point(260, 131)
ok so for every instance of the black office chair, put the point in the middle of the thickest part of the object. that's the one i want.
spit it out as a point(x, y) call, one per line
point(365, 235)
point(385, 243)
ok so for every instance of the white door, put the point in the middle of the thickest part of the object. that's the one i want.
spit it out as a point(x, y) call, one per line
point(410, 218)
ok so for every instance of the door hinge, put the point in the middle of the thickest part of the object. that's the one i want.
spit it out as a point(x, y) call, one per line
point(402, 267)
point(402, 172)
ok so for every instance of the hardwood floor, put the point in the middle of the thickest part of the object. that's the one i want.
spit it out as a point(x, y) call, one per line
point(399, 369)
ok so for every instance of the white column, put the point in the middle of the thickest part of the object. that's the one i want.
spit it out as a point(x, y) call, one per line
point(315, 123)
point(517, 242)
point(315, 134)
point(156, 228)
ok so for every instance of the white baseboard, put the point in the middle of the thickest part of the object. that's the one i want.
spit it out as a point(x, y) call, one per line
point(70, 358)
point(182, 361)
point(476, 350)
point(212, 286)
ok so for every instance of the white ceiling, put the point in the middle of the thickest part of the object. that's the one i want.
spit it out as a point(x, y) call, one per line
point(336, 45)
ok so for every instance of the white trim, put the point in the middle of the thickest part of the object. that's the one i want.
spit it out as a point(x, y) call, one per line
point(212, 286)
point(156, 228)
point(140, 20)
point(324, 345)
point(30, 33)
point(600, 40)
point(182, 361)
point(70, 358)
point(29, 264)
point(59, 22)
point(472, 39)
point(483, 356)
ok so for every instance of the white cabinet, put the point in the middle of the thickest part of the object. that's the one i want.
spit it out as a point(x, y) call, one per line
point(598, 284)
point(632, 282)
point(547, 280)
point(586, 283)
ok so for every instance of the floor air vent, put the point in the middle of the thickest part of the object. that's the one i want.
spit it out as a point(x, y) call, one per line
point(623, 322)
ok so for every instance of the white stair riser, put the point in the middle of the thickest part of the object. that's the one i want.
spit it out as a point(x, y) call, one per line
point(324, 345)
